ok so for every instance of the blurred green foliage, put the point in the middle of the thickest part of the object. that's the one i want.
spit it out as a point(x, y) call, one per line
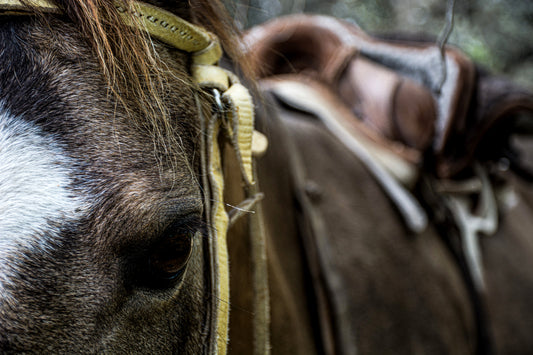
point(498, 34)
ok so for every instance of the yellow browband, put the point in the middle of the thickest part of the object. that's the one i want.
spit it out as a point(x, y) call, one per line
point(239, 116)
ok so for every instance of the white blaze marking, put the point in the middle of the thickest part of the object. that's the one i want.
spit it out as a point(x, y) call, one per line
point(34, 176)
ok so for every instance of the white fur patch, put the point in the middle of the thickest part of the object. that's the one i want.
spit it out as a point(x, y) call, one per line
point(34, 193)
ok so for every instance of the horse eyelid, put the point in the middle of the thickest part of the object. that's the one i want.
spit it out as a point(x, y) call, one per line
point(184, 225)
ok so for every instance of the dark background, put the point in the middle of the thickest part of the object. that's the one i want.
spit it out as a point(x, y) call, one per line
point(498, 34)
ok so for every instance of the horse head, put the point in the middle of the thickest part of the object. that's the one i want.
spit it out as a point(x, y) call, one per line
point(102, 222)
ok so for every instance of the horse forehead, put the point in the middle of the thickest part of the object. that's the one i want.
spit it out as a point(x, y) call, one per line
point(35, 175)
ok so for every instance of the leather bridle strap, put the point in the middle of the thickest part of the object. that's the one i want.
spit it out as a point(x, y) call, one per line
point(234, 118)
point(160, 24)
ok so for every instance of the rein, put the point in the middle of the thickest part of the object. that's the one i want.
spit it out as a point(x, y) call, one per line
point(232, 117)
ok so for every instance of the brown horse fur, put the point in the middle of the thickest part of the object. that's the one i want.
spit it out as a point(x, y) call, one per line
point(91, 290)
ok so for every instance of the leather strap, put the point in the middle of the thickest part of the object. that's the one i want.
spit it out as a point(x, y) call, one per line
point(15, 6)
point(160, 24)
point(472, 223)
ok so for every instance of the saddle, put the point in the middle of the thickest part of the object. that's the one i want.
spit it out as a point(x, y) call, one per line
point(411, 112)
point(409, 97)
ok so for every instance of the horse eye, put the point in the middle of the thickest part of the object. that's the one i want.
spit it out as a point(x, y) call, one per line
point(170, 256)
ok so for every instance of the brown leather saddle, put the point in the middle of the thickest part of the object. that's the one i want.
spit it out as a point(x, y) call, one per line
point(408, 96)
point(406, 109)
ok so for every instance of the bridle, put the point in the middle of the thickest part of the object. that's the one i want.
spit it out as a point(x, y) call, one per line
point(232, 116)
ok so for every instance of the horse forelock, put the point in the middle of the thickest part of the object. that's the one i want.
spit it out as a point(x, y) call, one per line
point(137, 74)
point(134, 71)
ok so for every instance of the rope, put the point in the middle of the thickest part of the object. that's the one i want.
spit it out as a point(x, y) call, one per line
point(443, 39)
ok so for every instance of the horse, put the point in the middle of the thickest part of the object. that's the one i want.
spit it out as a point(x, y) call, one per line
point(105, 227)
point(102, 209)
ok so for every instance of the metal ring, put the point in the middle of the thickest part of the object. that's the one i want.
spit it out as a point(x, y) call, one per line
point(218, 100)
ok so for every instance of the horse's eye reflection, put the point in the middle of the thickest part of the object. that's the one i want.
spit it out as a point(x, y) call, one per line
point(169, 257)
